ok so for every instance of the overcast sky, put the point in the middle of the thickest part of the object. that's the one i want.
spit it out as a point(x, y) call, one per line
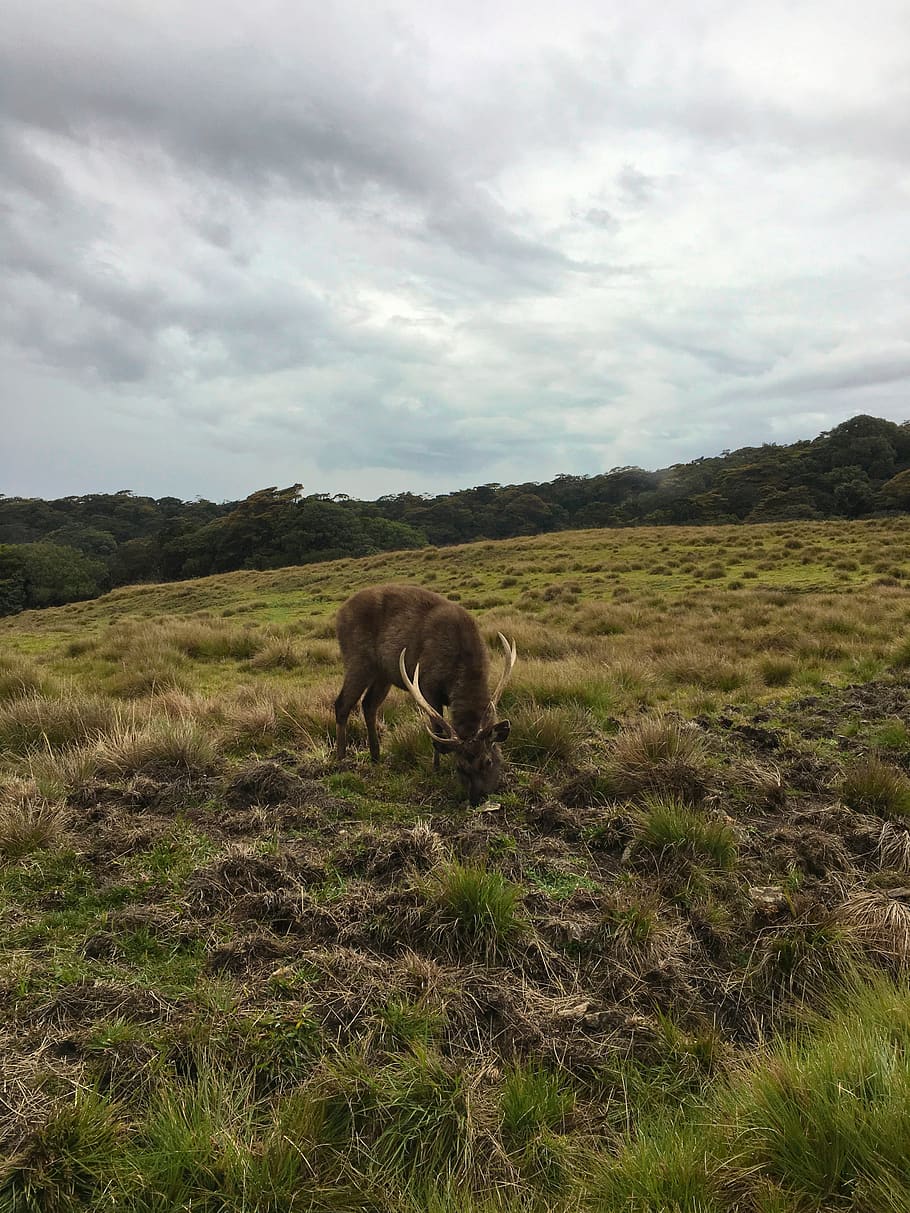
point(420, 244)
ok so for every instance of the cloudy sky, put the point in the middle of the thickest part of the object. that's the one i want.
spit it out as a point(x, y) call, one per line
point(414, 244)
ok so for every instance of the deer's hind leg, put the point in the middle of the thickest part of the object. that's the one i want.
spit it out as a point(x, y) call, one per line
point(355, 683)
point(372, 702)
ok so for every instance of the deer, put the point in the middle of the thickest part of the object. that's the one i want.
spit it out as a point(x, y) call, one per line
point(416, 640)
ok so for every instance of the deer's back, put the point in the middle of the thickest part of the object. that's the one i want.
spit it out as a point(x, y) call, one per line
point(375, 624)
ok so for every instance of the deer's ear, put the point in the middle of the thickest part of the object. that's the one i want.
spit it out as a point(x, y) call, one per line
point(500, 731)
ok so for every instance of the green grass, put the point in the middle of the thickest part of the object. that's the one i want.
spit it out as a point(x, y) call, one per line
point(670, 828)
point(479, 907)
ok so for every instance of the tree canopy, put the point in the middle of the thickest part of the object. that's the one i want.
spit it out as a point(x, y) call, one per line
point(77, 547)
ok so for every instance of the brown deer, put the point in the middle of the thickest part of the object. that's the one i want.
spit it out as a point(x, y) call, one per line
point(386, 631)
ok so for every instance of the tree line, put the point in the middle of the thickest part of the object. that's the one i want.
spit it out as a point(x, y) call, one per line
point(73, 548)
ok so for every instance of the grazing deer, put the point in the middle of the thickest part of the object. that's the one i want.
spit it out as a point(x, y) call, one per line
point(387, 630)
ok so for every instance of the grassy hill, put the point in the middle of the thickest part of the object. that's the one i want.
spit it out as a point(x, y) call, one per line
point(664, 970)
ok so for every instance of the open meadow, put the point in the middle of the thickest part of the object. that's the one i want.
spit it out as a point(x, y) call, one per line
point(664, 969)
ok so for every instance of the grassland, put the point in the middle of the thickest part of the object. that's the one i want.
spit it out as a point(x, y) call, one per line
point(664, 970)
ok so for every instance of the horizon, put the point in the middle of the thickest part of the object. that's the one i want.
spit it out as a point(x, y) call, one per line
point(445, 492)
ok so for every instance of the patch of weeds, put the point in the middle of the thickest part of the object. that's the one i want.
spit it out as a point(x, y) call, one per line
point(174, 858)
point(162, 963)
point(870, 785)
point(193, 1147)
point(280, 1046)
point(891, 734)
point(292, 978)
point(900, 656)
point(500, 845)
point(282, 653)
point(332, 888)
point(346, 784)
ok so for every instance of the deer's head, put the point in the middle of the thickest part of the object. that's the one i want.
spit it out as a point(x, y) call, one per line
point(478, 759)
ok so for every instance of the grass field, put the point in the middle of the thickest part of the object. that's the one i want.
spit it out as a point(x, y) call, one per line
point(665, 969)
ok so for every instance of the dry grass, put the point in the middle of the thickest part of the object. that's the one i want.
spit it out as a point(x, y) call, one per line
point(28, 820)
point(68, 719)
point(178, 745)
point(254, 718)
point(20, 678)
point(880, 919)
point(657, 753)
point(893, 847)
point(871, 785)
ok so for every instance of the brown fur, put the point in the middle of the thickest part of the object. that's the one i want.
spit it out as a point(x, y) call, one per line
point(374, 626)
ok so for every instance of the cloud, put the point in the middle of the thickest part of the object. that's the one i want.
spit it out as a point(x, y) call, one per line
point(417, 246)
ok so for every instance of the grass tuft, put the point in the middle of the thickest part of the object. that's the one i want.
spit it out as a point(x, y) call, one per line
point(668, 826)
point(479, 906)
point(67, 1162)
point(870, 785)
point(28, 821)
point(880, 920)
point(657, 754)
point(543, 736)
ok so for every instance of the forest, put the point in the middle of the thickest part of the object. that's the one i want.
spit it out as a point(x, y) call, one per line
point(75, 548)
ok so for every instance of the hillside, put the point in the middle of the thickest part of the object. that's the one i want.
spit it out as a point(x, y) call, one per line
point(74, 548)
point(235, 976)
